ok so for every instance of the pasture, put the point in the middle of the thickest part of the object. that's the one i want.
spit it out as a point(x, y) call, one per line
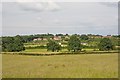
point(35, 50)
point(60, 66)
point(0, 66)
point(42, 50)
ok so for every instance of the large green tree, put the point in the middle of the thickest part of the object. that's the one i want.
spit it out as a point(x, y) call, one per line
point(105, 44)
point(53, 46)
point(74, 43)
point(18, 43)
point(7, 43)
point(12, 44)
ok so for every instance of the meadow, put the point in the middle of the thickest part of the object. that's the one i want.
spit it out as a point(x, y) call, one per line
point(0, 66)
point(61, 66)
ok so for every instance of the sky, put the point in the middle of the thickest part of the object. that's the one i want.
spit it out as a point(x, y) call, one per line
point(59, 17)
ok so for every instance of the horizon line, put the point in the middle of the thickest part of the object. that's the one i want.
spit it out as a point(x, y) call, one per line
point(60, 33)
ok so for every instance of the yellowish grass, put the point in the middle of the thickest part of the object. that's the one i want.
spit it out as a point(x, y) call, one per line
point(61, 66)
point(0, 66)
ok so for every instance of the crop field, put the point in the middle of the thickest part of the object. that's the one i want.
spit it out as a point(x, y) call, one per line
point(60, 66)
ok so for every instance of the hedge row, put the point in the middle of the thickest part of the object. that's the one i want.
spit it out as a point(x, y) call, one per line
point(58, 53)
point(36, 47)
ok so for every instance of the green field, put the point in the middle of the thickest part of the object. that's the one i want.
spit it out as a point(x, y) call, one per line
point(58, 66)
point(42, 50)
point(63, 50)
point(35, 50)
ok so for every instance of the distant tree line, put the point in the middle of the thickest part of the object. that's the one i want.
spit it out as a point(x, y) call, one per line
point(16, 43)
point(29, 38)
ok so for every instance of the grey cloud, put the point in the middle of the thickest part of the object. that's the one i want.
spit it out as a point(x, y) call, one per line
point(39, 6)
point(73, 17)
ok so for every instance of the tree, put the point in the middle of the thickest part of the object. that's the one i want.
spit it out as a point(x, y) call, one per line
point(53, 46)
point(12, 44)
point(84, 37)
point(59, 34)
point(105, 44)
point(18, 43)
point(74, 43)
point(6, 43)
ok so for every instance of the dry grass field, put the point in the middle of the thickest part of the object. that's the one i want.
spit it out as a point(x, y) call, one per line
point(0, 66)
point(61, 66)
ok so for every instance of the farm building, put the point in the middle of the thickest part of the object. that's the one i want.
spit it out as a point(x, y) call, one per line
point(57, 38)
point(37, 39)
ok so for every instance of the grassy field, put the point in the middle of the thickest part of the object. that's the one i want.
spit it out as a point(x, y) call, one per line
point(58, 66)
point(35, 50)
point(42, 50)
point(0, 66)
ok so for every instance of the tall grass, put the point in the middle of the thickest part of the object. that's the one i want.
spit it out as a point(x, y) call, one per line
point(61, 66)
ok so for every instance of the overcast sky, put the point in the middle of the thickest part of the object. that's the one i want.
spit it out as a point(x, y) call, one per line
point(59, 17)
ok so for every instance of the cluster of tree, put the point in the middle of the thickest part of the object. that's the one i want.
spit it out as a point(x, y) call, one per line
point(12, 44)
point(44, 35)
point(74, 44)
point(84, 37)
point(29, 38)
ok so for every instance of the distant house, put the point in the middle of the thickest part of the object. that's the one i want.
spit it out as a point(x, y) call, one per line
point(84, 44)
point(34, 39)
point(108, 36)
point(45, 39)
point(37, 39)
point(57, 38)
